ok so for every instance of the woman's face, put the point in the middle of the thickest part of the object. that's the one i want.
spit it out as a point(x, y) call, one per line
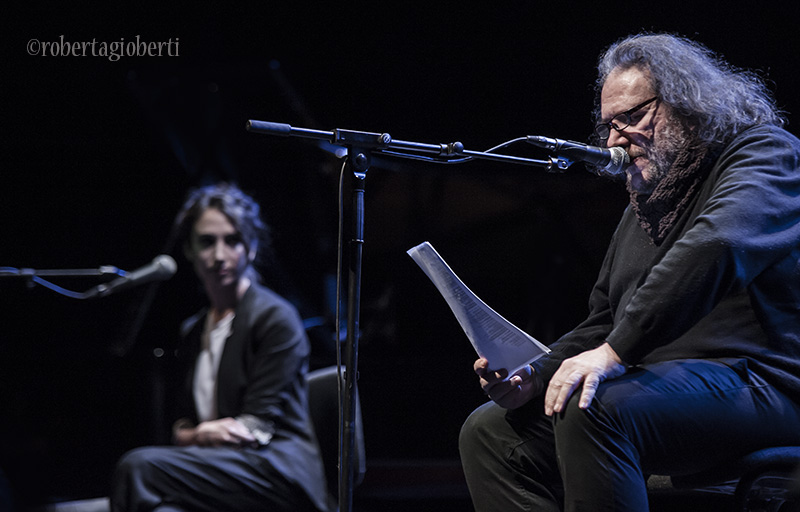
point(216, 248)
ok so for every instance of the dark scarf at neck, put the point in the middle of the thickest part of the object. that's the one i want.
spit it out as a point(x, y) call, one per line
point(658, 212)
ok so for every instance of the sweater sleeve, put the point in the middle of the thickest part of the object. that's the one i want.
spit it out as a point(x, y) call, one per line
point(750, 221)
point(591, 332)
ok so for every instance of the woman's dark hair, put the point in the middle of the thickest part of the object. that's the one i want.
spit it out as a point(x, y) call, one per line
point(242, 211)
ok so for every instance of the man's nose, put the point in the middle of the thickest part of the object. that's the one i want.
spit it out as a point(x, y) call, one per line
point(615, 138)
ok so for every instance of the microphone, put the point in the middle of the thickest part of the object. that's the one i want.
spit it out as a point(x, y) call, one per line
point(160, 269)
point(608, 161)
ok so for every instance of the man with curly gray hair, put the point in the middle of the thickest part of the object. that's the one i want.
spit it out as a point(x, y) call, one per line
point(690, 354)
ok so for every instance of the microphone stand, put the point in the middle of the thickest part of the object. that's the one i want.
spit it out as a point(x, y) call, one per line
point(361, 146)
point(36, 276)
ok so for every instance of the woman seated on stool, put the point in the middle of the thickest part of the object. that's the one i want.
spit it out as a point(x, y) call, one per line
point(243, 436)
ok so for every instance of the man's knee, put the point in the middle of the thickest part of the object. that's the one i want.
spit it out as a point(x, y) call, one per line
point(476, 429)
point(577, 429)
point(573, 420)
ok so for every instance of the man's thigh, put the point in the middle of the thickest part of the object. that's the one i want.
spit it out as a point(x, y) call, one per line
point(686, 415)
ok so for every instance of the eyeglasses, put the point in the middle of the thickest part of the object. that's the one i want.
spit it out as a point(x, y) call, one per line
point(620, 121)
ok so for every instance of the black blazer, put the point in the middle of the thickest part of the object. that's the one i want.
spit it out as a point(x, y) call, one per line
point(261, 382)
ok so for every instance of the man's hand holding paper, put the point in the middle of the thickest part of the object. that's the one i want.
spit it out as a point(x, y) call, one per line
point(509, 393)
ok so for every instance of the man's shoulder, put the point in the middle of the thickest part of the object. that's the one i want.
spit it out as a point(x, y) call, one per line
point(765, 133)
point(759, 144)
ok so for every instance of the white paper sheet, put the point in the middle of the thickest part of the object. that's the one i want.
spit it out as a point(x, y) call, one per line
point(502, 343)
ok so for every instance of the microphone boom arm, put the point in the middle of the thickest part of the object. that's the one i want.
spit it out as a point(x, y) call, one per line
point(162, 267)
point(36, 277)
point(382, 143)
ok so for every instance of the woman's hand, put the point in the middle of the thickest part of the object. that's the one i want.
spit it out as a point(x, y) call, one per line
point(221, 432)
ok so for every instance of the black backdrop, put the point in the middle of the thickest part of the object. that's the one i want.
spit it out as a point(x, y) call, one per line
point(98, 154)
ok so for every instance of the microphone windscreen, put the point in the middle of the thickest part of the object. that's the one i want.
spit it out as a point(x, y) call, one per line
point(615, 168)
point(166, 266)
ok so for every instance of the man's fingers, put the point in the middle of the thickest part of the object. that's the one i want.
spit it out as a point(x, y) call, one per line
point(481, 367)
point(559, 392)
point(566, 390)
point(589, 390)
point(493, 381)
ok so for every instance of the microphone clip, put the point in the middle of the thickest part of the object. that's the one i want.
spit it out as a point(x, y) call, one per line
point(559, 163)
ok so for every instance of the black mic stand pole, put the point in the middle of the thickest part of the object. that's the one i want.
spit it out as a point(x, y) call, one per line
point(358, 162)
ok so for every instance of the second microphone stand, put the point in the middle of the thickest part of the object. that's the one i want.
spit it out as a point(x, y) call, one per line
point(360, 149)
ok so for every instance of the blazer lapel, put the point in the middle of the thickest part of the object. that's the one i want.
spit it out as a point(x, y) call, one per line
point(231, 375)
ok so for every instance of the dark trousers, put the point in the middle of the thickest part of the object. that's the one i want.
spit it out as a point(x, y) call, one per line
point(666, 418)
point(165, 478)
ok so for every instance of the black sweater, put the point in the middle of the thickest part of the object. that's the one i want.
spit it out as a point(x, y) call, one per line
point(724, 284)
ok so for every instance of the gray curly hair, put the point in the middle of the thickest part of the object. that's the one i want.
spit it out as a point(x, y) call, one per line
point(707, 92)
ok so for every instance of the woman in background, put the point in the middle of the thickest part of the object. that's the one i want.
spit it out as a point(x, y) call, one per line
point(243, 436)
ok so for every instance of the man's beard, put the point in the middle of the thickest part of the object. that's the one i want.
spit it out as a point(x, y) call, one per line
point(661, 154)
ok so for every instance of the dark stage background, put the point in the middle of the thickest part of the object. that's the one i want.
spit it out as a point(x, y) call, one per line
point(98, 154)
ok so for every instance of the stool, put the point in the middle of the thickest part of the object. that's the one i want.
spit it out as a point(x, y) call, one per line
point(764, 480)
